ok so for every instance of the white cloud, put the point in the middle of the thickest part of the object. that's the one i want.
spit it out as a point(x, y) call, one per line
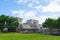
point(21, 1)
point(30, 5)
point(26, 15)
point(35, 1)
point(41, 19)
point(20, 12)
point(39, 8)
point(52, 7)
point(54, 16)
point(14, 12)
point(30, 13)
point(31, 1)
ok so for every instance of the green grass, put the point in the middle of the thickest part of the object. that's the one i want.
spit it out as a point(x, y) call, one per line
point(32, 36)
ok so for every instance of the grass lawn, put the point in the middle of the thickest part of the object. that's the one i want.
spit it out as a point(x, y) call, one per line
point(32, 36)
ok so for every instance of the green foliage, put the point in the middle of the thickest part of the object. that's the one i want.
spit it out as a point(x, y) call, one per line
point(49, 23)
point(58, 23)
point(10, 22)
point(52, 23)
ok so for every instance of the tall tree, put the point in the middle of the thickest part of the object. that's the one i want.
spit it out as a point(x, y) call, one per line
point(10, 22)
point(58, 23)
point(49, 23)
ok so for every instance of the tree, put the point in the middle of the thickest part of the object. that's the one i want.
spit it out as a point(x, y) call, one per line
point(52, 23)
point(49, 23)
point(58, 23)
point(11, 22)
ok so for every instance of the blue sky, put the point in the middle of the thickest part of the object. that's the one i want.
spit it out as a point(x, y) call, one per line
point(31, 9)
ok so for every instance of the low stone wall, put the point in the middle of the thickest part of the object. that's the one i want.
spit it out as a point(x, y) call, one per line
point(55, 32)
point(29, 30)
point(48, 31)
point(44, 31)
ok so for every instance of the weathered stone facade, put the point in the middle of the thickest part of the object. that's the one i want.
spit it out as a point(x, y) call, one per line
point(31, 26)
